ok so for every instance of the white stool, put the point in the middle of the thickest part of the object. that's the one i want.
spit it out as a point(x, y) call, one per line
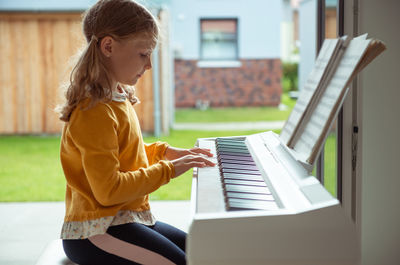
point(54, 255)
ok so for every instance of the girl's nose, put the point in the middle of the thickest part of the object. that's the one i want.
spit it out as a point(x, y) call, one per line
point(148, 64)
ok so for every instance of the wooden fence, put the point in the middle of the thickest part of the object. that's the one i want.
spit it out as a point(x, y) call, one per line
point(35, 54)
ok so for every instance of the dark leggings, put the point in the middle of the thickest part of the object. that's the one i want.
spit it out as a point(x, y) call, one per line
point(130, 244)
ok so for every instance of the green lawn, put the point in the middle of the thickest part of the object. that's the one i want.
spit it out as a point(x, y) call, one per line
point(236, 113)
point(330, 164)
point(30, 169)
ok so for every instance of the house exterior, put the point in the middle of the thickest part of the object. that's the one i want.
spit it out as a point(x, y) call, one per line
point(226, 53)
point(289, 38)
point(218, 53)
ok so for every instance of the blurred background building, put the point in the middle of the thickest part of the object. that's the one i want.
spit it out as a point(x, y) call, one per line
point(212, 53)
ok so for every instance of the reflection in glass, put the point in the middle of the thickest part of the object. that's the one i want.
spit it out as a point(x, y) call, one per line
point(219, 39)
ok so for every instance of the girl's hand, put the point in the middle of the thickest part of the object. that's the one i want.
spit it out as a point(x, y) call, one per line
point(187, 162)
point(185, 159)
point(173, 153)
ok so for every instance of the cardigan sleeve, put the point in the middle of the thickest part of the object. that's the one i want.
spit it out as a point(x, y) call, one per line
point(95, 133)
point(155, 151)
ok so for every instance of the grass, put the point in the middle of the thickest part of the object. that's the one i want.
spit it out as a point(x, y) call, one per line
point(235, 114)
point(330, 164)
point(30, 169)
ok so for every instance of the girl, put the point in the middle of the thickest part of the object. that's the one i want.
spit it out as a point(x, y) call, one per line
point(109, 169)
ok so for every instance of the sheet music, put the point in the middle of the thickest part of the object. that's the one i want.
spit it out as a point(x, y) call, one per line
point(317, 127)
point(329, 47)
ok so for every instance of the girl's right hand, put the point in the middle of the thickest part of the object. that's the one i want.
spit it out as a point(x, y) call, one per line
point(187, 162)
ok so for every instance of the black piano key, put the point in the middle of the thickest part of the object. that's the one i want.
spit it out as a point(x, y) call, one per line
point(251, 205)
point(247, 189)
point(245, 182)
point(235, 138)
point(232, 140)
point(239, 166)
point(234, 154)
point(239, 162)
point(235, 157)
point(237, 143)
point(239, 171)
point(229, 148)
point(250, 196)
point(242, 177)
point(233, 150)
point(234, 146)
point(240, 138)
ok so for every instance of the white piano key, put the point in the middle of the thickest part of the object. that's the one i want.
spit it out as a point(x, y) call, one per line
point(247, 189)
point(238, 162)
point(239, 166)
point(249, 196)
point(245, 182)
point(208, 182)
point(242, 177)
point(242, 156)
point(239, 171)
point(252, 204)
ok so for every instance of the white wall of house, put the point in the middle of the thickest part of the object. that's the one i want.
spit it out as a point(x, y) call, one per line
point(259, 23)
point(46, 5)
point(287, 33)
point(307, 38)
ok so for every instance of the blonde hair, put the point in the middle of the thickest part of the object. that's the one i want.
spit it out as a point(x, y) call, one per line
point(120, 19)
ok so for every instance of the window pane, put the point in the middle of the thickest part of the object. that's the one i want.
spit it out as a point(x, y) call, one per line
point(330, 151)
point(219, 39)
point(330, 162)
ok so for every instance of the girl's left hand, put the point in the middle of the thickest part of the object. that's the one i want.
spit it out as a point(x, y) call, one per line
point(174, 153)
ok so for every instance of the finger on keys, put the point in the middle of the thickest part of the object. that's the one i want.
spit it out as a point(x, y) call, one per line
point(207, 162)
point(204, 151)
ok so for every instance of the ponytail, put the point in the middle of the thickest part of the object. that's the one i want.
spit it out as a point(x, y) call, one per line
point(84, 81)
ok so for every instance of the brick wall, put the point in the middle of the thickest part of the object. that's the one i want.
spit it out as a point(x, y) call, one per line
point(255, 83)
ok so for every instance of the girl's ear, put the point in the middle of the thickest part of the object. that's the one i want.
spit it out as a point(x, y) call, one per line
point(106, 46)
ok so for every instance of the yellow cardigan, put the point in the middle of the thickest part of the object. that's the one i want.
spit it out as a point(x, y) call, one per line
point(106, 164)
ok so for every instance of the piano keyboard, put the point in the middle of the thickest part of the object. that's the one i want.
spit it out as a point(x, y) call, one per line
point(244, 187)
point(235, 195)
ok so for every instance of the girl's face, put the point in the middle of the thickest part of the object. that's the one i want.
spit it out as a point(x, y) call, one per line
point(129, 59)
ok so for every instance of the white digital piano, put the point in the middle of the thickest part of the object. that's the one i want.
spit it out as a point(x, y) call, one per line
point(260, 204)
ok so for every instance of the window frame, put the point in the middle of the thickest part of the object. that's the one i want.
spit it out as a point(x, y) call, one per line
point(339, 138)
point(201, 57)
